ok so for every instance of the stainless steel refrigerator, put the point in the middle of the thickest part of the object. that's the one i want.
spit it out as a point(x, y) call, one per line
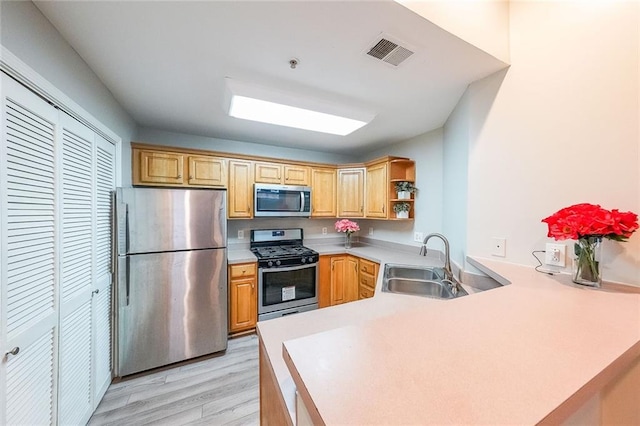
point(171, 285)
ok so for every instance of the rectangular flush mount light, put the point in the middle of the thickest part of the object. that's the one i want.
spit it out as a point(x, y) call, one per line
point(282, 109)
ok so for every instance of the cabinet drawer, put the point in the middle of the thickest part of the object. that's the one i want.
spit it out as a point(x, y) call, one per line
point(368, 267)
point(243, 270)
point(365, 292)
point(368, 280)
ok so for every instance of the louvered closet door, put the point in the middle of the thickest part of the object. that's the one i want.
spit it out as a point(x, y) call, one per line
point(105, 185)
point(28, 311)
point(76, 266)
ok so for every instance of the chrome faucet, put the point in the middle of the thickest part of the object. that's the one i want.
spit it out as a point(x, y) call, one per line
point(448, 273)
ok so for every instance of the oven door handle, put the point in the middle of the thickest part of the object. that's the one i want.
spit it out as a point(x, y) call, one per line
point(288, 268)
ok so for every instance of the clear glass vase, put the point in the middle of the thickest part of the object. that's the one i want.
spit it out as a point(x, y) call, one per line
point(586, 264)
point(347, 240)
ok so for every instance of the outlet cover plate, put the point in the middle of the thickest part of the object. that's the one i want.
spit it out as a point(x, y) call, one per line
point(555, 254)
point(370, 231)
point(499, 246)
point(418, 237)
point(241, 235)
point(324, 230)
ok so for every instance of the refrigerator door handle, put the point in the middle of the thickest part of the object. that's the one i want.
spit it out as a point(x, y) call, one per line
point(126, 232)
point(127, 280)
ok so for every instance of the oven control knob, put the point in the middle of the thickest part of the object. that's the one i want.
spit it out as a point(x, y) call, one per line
point(269, 264)
point(277, 263)
point(304, 260)
point(310, 259)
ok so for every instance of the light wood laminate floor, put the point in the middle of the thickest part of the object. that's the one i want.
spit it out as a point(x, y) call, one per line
point(221, 390)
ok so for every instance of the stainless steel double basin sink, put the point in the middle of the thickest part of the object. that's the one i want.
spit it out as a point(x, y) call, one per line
point(420, 281)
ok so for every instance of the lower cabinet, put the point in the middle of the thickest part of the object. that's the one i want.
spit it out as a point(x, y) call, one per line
point(345, 278)
point(243, 297)
point(367, 277)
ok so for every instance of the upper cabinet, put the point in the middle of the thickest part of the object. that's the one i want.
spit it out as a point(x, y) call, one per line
point(207, 171)
point(283, 174)
point(377, 185)
point(323, 192)
point(401, 170)
point(178, 169)
point(240, 197)
point(351, 192)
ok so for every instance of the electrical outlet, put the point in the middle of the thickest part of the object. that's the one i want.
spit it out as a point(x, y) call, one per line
point(555, 254)
point(241, 235)
point(370, 231)
point(418, 237)
point(324, 230)
point(499, 247)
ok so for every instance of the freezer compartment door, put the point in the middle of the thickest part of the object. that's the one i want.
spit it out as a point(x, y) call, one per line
point(153, 220)
point(171, 307)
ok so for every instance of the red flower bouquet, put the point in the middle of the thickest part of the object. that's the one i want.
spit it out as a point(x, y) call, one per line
point(590, 220)
point(589, 224)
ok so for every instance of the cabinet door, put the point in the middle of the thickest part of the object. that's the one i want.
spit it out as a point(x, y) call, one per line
point(28, 275)
point(207, 171)
point(161, 167)
point(338, 290)
point(376, 199)
point(324, 284)
point(323, 193)
point(351, 193)
point(240, 195)
point(351, 279)
point(243, 304)
point(268, 173)
point(296, 175)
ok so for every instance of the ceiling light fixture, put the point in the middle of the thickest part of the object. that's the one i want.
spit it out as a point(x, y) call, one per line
point(284, 109)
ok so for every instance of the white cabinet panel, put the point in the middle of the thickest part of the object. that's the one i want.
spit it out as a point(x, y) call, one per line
point(56, 180)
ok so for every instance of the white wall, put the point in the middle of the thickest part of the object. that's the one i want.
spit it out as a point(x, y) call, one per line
point(561, 128)
point(26, 33)
point(484, 24)
point(427, 151)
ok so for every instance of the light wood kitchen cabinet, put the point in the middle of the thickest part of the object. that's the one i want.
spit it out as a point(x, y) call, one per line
point(400, 170)
point(296, 175)
point(323, 192)
point(207, 171)
point(376, 199)
point(368, 275)
point(240, 197)
point(268, 173)
point(156, 167)
point(243, 297)
point(178, 169)
point(351, 192)
point(344, 279)
point(282, 174)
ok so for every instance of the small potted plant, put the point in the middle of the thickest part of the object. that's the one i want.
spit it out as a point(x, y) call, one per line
point(405, 189)
point(402, 210)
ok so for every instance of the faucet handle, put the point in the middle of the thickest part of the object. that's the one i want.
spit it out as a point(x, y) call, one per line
point(423, 251)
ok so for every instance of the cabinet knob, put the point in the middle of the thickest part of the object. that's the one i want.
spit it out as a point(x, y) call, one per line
point(191, 177)
point(179, 176)
point(383, 208)
point(13, 351)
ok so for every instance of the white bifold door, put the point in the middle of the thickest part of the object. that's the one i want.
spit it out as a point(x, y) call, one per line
point(56, 183)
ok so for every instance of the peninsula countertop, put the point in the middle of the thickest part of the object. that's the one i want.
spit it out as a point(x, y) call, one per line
point(514, 354)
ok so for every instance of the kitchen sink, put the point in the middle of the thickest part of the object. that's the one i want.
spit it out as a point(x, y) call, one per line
point(419, 281)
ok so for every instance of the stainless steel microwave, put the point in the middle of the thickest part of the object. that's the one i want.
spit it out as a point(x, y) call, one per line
point(281, 200)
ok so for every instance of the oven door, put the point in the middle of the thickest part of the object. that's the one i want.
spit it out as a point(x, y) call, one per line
point(289, 287)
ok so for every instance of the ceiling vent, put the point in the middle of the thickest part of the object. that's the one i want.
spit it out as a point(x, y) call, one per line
point(390, 50)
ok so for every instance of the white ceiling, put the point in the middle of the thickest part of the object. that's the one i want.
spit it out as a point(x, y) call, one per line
point(165, 62)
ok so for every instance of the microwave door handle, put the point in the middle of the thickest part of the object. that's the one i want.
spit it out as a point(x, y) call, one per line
point(301, 201)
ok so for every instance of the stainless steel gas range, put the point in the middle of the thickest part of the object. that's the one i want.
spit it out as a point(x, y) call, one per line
point(287, 273)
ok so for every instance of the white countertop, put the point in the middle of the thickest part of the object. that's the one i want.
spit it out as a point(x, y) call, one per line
point(527, 347)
